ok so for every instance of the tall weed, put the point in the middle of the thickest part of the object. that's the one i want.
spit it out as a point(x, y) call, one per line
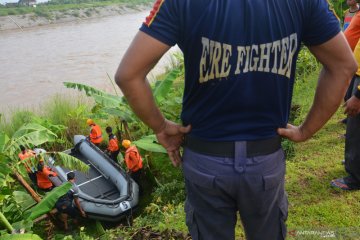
point(69, 111)
point(18, 118)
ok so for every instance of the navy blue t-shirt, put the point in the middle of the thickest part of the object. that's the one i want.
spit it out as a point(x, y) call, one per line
point(240, 58)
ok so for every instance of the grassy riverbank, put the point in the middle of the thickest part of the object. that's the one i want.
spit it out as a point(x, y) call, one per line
point(66, 11)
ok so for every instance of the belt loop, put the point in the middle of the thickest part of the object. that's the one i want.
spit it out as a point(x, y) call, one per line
point(240, 156)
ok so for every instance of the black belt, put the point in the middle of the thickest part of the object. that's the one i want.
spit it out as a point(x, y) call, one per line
point(227, 149)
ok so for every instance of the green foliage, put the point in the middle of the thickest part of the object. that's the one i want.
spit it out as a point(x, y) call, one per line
point(89, 91)
point(41, 12)
point(162, 88)
point(162, 217)
point(30, 134)
point(34, 133)
point(171, 192)
point(5, 170)
point(18, 118)
point(26, 236)
point(70, 162)
point(339, 6)
point(49, 201)
point(289, 148)
point(23, 199)
point(67, 111)
point(150, 143)
point(105, 103)
point(306, 64)
point(5, 222)
point(3, 140)
point(9, 207)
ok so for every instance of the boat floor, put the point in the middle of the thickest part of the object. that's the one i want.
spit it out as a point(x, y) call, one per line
point(94, 183)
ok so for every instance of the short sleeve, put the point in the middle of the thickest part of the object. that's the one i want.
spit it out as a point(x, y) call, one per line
point(75, 191)
point(322, 24)
point(162, 23)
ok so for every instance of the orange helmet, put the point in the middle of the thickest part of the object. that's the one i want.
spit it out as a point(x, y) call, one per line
point(126, 143)
point(90, 122)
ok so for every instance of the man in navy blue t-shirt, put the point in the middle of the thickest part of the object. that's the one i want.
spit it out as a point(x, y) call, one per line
point(240, 59)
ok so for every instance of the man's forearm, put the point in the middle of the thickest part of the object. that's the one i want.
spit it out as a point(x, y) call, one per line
point(77, 203)
point(328, 96)
point(142, 55)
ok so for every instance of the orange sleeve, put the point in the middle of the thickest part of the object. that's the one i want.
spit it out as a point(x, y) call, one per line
point(352, 33)
point(113, 146)
point(47, 171)
point(93, 133)
point(131, 161)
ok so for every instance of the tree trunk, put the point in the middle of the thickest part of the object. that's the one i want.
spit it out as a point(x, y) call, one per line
point(32, 192)
point(28, 188)
point(126, 130)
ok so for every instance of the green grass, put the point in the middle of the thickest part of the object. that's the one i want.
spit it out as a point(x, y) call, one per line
point(313, 203)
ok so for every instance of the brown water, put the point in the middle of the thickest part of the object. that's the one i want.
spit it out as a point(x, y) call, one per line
point(35, 62)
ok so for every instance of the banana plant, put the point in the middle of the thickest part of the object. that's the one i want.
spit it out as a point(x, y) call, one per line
point(28, 135)
point(105, 103)
point(6, 223)
point(48, 202)
point(108, 104)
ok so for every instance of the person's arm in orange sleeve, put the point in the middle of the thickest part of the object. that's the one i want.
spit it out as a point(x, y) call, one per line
point(131, 161)
point(92, 134)
point(47, 171)
point(112, 145)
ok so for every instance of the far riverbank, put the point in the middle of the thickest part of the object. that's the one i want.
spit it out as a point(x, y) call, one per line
point(12, 22)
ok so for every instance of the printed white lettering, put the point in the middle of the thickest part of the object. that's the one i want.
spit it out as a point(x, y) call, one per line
point(217, 58)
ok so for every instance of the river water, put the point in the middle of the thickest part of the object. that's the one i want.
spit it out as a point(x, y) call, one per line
point(35, 62)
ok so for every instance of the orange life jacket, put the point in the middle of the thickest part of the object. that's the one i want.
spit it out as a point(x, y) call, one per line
point(133, 159)
point(42, 178)
point(113, 143)
point(96, 134)
point(27, 163)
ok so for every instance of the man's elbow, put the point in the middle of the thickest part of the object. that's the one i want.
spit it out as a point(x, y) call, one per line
point(119, 77)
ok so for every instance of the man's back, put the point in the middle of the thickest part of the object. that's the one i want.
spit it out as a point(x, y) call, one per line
point(239, 59)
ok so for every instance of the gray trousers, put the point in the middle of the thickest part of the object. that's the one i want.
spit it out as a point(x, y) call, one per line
point(352, 142)
point(218, 188)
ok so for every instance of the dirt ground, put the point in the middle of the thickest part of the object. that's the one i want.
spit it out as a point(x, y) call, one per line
point(32, 20)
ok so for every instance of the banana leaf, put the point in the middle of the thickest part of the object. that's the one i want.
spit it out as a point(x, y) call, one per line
point(70, 162)
point(149, 143)
point(3, 140)
point(23, 199)
point(4, 168)
point(23, 224)
point(89, 91)
point(32, 127)
point(48, 202)
point(29, 135)
point(126, 115)
point(162, 89)
point(108, 100)
point(26, 236)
